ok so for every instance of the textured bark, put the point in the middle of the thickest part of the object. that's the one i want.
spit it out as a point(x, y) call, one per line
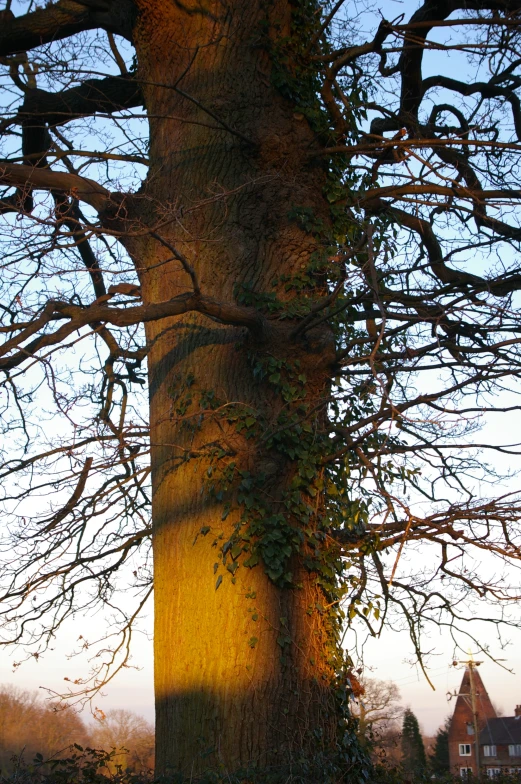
point(223, 697)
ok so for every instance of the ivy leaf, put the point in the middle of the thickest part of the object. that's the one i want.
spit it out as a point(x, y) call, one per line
point(252, 561)
point(219, 581)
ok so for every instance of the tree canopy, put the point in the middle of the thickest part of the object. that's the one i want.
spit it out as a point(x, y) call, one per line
point(378, 707)
point(29, 726)
point(295, 229)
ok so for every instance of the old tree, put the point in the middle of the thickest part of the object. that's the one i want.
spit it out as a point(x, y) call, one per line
point(295, 226)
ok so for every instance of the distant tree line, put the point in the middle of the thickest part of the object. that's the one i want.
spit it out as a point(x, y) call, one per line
point(30, 726)
point(393, 735)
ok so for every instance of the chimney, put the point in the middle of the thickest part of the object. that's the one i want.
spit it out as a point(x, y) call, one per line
point(517, 711)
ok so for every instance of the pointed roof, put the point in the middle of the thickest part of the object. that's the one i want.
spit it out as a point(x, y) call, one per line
point(463, 708)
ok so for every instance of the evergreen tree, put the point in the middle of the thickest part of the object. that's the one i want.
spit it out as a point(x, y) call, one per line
point(439, 759)
point(414, 759)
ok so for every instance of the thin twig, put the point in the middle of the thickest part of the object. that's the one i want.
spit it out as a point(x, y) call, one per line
point(180, 257)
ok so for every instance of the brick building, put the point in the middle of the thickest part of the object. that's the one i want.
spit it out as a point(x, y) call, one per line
point(480, 738)
point(463, 743)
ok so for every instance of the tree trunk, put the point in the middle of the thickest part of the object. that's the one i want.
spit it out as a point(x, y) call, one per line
point(243, 665)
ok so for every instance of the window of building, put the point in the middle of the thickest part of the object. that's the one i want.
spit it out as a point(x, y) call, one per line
point(465, 773)
point(489, 751)
point(464, 750)
point(470, 728)
point(514, 750)
point(493, 772)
